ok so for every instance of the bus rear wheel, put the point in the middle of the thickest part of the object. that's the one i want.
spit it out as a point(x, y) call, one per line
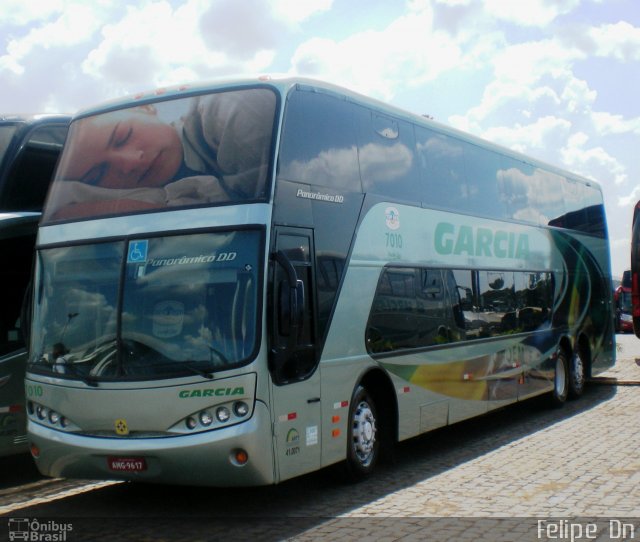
point(363, 442)
point(577, 372)
point(560, 380)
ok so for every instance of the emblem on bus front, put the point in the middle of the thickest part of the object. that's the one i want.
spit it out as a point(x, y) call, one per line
point(121, 427)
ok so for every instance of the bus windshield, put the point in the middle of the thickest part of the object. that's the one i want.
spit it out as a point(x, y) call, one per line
point(183, 304)
point(198, 150)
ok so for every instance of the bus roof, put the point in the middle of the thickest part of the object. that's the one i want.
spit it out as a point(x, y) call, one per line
point(33, 118)
point(285, 82)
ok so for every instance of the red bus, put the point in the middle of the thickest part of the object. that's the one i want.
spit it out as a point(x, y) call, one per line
point(635, 269)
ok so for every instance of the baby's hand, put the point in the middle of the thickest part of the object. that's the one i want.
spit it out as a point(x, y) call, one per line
point(194, 190)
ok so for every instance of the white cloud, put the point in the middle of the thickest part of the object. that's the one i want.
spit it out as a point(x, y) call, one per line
point(407, 53)
point(631, 198)
point(620, 41)
point(19, 12)
point(238, 29)
point(608, 123)
point(533, 79)
point(531, 13)
point(177, 47)
point(526, 62)
point(72, 27)
point(577, 96)
point(594, 162)
point(296, 11)
point(541, 134)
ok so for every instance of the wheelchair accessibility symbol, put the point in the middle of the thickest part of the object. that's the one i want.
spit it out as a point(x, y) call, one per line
point(138, 251)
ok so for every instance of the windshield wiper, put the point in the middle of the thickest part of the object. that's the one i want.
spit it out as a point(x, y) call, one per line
point(206, 374)
point(89, 380)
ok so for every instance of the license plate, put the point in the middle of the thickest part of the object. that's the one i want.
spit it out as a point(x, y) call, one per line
point(127, 464)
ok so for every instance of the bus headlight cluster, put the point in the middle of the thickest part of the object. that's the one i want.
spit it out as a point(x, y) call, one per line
point(218, 416)
point(46, 415)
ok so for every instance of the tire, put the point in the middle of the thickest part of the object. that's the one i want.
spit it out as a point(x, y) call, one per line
point(577, 374)
point(560, 391)
point(363, 436)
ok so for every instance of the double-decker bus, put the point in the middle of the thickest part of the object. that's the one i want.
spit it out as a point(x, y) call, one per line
point(29, 148)
point(242, 282)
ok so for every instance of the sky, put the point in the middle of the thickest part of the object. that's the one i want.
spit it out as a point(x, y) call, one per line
point(555, 79)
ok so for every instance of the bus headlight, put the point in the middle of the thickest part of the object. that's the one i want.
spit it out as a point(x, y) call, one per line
point(240, 409)
point(54, 417)
point(223, 414)
point(191, 422)
point(213, 417)
point(50, 417)
point(206, 418)
point(41, 412)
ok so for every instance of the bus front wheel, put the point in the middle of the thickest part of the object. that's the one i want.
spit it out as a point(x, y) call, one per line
point(363, 437)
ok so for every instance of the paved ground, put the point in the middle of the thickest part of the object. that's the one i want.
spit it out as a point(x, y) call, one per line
point(583, 470)
point(525, 473)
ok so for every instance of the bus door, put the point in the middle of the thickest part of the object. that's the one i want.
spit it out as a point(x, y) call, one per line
point(293, 359)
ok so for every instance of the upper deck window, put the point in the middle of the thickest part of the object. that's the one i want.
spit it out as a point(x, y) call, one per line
point(185, 152)
point(28, 175)
point(319, 141)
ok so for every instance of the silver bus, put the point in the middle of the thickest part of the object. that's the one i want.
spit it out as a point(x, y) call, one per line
point(29, 149)
point(245, 281)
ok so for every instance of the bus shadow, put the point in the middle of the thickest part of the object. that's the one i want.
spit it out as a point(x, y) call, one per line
point(18, 469)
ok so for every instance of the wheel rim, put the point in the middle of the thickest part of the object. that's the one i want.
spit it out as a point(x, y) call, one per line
point(364, 433)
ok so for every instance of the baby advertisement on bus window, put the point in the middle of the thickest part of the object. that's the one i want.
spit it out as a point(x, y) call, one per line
point(174, 153)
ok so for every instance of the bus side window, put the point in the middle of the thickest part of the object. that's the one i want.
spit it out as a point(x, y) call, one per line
point(440, 159)
point(30, 174)
point(462, 281)
point(434, 324)
point(481, 193)
point(15, 278)
point(319, 143)
point(388, 165)
point(455, 302)
point(409, 310)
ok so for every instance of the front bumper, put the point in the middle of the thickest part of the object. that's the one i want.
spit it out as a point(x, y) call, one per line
point(204, 459)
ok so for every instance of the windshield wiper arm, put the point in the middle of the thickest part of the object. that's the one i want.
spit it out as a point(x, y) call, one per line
point(88, 380)
point(207, 374)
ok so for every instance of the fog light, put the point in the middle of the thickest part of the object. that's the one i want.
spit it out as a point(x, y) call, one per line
point(239, 457)
point(240, 408)
point(35, 451)
point(223, 414)
point(206, 418)
point(191, 422)
point(54, 417)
